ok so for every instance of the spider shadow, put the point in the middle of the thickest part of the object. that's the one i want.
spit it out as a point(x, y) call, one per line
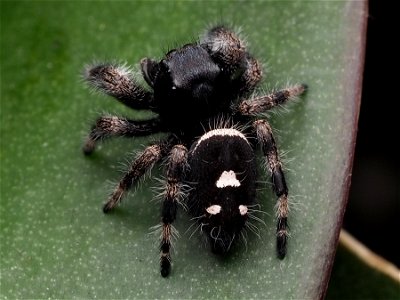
point(232, 259)
point(138, 210)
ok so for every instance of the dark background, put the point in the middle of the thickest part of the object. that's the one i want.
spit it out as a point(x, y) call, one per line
point(372, 214)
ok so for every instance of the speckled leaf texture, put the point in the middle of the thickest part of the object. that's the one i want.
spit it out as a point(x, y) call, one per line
point(56, 242)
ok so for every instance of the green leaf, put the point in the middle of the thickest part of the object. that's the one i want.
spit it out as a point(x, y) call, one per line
point(56, 242)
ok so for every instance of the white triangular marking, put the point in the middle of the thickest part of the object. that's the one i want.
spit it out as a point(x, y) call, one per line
point(227, 178)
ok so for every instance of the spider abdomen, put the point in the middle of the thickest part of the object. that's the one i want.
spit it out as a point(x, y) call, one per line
point(223, 175)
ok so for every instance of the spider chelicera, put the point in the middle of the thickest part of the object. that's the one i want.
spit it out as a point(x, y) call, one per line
point(192, 87)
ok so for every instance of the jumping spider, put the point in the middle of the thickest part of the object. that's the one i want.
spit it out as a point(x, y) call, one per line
point(194, 86)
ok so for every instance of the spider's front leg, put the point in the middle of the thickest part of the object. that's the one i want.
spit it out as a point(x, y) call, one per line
point(274, 166)
point(229, 51)
point(110, 126)
point(261, 104)
point(138, 168)
point(225, 47)
point(251, 76)
point(176, 166)
point(118, 81)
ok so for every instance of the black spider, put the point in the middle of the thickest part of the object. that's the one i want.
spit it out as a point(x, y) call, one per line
point(194, 86)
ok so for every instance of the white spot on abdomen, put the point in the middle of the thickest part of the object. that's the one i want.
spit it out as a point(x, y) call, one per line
point(213, 209)
point(227, 178)
point(243, 209)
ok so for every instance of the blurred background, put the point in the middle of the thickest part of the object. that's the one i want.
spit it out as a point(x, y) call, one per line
point(372, 214)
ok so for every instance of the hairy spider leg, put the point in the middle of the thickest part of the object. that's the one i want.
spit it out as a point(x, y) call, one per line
point(260, 104)
point(225, 47)
point(138, 168)
point(274, 166)
point(117, 80)
point(177, 163)
point(111, 126)
point(229, 51)
point(252, 75)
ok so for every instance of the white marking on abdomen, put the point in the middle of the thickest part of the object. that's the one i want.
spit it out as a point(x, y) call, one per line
point(227, 178)
point(220, 132)
point(243, 209)
point(214, 209)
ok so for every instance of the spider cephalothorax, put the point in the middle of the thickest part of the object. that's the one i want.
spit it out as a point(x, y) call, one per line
point(192, 87)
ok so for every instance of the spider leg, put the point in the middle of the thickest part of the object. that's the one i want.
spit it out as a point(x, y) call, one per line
point(177, 163)
point(226, 48)
point(108, 126)
point(117, 81)
point(248, 80)
point(274, 166)
point(260, 104)
point(149, 69)
point(229, 51)
point(139, 166)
